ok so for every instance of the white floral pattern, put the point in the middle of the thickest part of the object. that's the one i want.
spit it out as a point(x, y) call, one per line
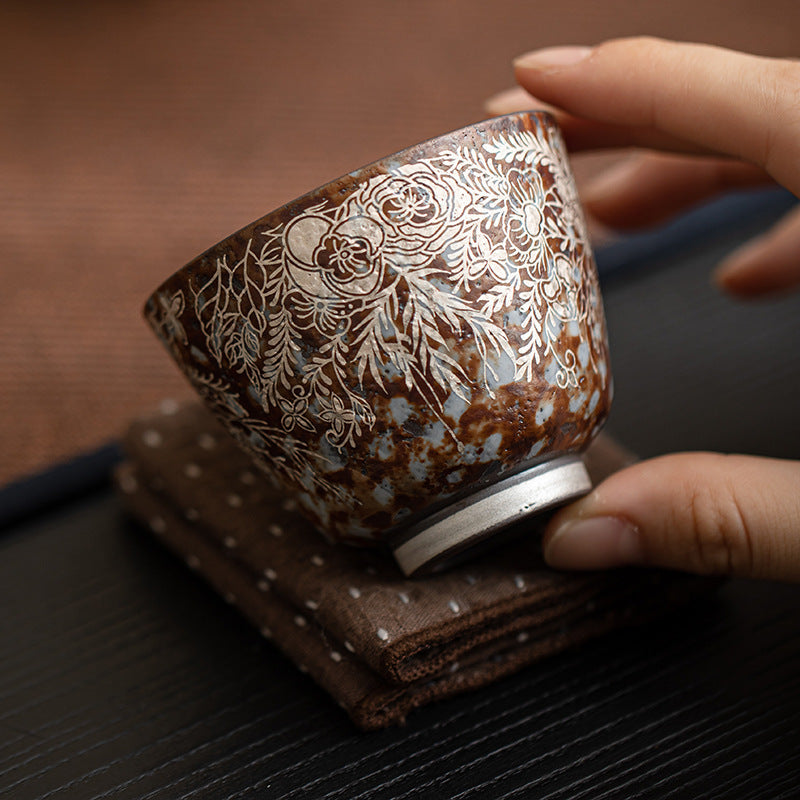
point(375, 286)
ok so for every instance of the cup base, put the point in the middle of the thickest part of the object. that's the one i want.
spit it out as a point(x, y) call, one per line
point(437, 540)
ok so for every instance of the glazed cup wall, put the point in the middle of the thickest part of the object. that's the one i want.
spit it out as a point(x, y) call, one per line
point(407, 334)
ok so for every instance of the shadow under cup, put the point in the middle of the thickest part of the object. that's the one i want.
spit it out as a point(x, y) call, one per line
point(416, 351)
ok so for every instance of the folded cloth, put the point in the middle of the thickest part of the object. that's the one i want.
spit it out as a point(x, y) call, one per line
point(380, 643)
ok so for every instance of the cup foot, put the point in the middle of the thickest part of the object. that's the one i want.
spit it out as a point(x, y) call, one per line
point(432, 543)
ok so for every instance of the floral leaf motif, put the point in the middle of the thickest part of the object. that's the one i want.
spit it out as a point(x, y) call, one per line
point(279, 355)
point(165, 316)
point(378, 285)
point(516, 146)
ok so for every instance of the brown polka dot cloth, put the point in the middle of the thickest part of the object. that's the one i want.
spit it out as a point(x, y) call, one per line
point(379, 643)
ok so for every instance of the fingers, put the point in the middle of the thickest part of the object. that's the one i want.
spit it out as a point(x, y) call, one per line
point(510, 100)
point(701, 512)
point(646, 189)
point(586, 134)
point(766, 265)
point(726, 102)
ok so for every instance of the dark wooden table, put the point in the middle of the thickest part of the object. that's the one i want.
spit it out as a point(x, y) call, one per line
point(123, 676)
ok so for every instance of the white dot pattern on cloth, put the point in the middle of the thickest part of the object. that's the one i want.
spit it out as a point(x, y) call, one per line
point(169, 406)
point(152, 438)
point(128, 484)
point(322, 627)
point(192, 470)
point(289, 504)
point(206, 441)
point(158, 525)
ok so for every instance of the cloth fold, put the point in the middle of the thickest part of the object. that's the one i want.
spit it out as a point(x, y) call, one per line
point(380, 643)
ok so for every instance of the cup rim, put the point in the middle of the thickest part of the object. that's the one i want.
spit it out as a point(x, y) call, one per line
point(295, 205)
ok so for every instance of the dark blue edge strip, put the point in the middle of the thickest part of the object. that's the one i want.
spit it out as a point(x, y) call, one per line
point(734, 215)
point(69, 480)
point(84, 474)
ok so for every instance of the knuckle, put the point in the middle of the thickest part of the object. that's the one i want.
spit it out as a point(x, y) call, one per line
point(719, 540)
point(781, 106)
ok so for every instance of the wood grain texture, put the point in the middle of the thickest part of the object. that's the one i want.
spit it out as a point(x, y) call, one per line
point(124, 677)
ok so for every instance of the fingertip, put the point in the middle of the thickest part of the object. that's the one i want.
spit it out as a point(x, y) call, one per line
point(593, 543)
point(767, 266)
point(508, 101)
point(742, 274)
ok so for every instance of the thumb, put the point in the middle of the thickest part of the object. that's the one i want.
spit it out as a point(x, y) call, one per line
point(701, 512)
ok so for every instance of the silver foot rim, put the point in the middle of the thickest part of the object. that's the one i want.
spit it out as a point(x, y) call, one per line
point(481, 515)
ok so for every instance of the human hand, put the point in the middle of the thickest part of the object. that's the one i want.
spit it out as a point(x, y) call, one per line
point(720, 120)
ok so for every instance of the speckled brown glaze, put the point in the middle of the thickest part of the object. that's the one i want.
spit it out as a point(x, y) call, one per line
point(407, 334)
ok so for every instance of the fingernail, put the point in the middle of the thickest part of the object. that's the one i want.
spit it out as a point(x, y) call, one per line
point(552, 58)
point(594, 543)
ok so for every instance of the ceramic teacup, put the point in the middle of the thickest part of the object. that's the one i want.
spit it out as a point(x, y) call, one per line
point(415, 351)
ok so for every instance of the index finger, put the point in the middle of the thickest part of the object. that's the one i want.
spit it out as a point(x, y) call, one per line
point(588, 134)
point(708, 97)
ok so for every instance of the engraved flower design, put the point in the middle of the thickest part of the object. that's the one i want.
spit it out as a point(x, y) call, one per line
point(167, 317)
point(294, 410)
point(488, 257)
point(339, 417)
point(321, 313)
point(409, 203)
point(335, 259)
point(348, 257)
point(357, 289)
point(524, 220)
point(562, 288)
point(423, 207)
point(571, 226)
point(244, 349)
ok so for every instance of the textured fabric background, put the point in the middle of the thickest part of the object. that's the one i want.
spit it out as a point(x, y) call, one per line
point(135, 135)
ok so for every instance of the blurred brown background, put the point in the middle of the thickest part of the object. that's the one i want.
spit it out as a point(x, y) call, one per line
point(135, 135)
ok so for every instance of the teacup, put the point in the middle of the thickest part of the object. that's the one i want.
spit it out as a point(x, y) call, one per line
point(416, 351)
